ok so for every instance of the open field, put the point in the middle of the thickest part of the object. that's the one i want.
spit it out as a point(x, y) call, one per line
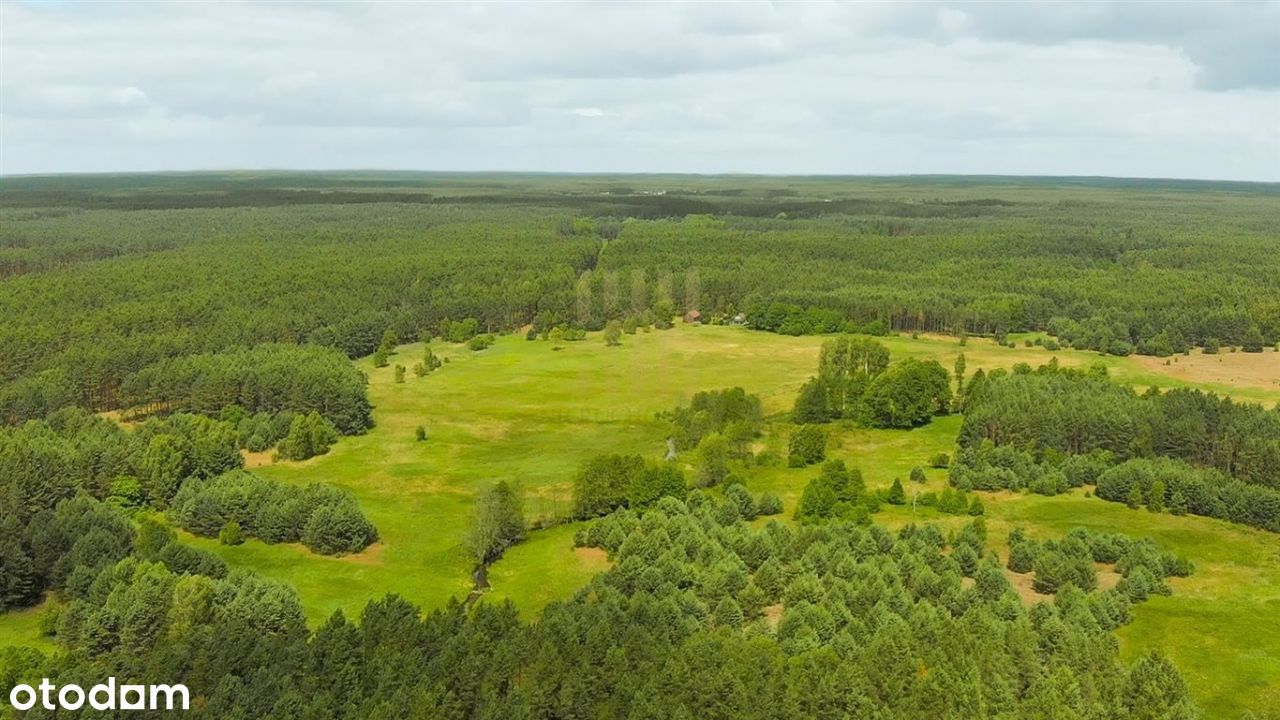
point(1216, 626)
point(1240, 371)
point(528, 412)
point(544, 568)
point(520, 411)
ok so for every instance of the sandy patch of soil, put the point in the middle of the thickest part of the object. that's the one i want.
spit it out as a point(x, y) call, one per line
point(1108, 578)
point(772, 616)
point(1260, 370)
point(257, 459)
point(596, 558)
point(1021, 583)
point(126, 419)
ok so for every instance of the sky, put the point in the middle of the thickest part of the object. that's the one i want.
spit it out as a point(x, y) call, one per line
point(1132, 89)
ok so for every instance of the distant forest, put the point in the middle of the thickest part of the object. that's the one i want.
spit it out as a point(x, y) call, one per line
point(104, 276)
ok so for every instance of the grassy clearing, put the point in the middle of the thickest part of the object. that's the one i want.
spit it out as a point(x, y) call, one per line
point(527, 412)
point(561, 570)
point(530, 413)
point(521, 411)
point(1239, 371)
point(1215, 626)
point(1253, 377)
point(22, 628)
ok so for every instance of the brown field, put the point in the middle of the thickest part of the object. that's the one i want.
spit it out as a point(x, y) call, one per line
point(1259, 370)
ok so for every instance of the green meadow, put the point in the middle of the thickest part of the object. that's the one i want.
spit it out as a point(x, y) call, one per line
point(532, 412)
point(21, 628)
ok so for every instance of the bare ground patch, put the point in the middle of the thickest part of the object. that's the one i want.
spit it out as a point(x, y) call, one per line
point(772, 616)
point(371, 555)
point(1021, 583)
point(257, 459)
point(1108, 578)
point(127, 419)
point(593, 558)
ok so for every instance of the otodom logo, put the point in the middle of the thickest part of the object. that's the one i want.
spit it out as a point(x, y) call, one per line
point(103, 696)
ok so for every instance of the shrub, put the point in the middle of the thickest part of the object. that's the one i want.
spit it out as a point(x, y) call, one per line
point(481, 342)
point(770, 504)
point(309, 435)
point(807, 446)
point(338, 529)
point(182, 559)
point(231, 534)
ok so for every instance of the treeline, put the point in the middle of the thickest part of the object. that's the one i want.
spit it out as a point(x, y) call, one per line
point(269, 378)
point(324, 518)
point(787, 319)
point(1183, 450)
point(96, 295)
point(855, 381)
point(1105, 279)
point(700, 616)
point(74, 462)
point(1072, 412)
point(65, 547)
point(1164, 485)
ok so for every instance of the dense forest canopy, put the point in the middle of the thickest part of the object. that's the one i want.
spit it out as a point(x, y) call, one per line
point(1181, 450)
point(867, 622)
point(106, 275)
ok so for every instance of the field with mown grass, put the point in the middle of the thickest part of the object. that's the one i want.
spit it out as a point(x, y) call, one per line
point(532, 413)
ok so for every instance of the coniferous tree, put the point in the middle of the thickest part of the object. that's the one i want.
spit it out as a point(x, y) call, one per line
point(896, 496)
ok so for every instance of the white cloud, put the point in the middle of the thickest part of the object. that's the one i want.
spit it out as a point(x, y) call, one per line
point(1188, 90)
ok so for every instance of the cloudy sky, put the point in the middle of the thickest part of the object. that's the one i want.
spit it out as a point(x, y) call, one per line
point(1179, 89)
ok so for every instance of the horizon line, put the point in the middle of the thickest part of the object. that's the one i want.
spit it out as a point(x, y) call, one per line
point(627, 173)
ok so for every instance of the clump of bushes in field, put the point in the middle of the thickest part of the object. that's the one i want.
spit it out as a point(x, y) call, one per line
point(1070, 562)
point(855, 381)
point(324, 518)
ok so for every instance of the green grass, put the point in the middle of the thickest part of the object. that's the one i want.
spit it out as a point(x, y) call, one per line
point(560, 570)
point(520, 411)
point(526, 412)
point(881, 455)
point(1218, 626)
point(22, 628)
